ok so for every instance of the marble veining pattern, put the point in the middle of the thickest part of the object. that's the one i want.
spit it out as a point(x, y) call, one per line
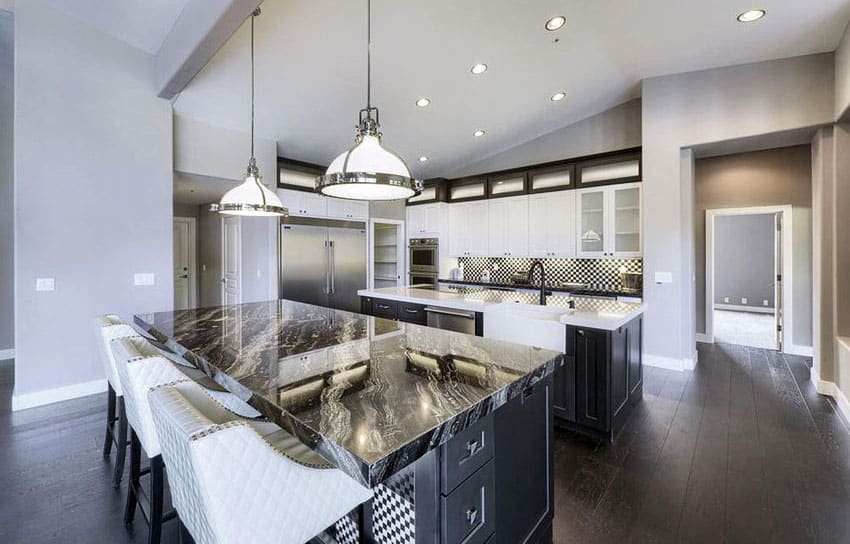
point(370, 395)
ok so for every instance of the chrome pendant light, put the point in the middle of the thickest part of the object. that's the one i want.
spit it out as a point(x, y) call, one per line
point(251, 197)
point(368, 170)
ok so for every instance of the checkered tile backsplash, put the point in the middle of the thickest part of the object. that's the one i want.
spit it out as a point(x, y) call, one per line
point(596, 273)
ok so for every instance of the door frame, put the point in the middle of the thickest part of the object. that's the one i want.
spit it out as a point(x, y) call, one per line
point(787, 268)
point(401, 234)
point(223, 252)
point(193, 257)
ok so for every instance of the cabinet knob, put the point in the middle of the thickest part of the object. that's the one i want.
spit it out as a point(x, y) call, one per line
point(471, 516)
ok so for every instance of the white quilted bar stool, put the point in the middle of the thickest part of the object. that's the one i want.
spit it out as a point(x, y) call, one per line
point(140, 366)
point(108, 328)
point(235, 480)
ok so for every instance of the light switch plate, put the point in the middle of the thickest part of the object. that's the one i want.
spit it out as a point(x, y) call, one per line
point(726, 300)
point(663, 277)
point(743, 300)
point(45, 284)
point(144, 279)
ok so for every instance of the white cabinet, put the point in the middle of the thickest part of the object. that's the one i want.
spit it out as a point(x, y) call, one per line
point(508, 227)
point(303, 203)
point(424, 221)
point(468, 229)
point(608, 221)
point(551, 224)
point(347, 209)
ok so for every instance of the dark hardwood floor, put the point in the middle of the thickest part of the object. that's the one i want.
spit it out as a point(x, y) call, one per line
point(740, 450)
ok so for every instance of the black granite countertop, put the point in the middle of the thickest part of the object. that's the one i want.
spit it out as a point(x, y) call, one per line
point(370, 395)
point(556, 288)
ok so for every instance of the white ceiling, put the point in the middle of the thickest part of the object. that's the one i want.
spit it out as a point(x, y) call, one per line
point(195, 189)
point(311, 66)
point(144, 24)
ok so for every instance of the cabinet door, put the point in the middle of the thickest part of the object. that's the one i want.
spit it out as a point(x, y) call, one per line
point(624, 203)
point(431, 223)
point(498, 220)
point(591, 222)
point(415, 221)
point(560, 215)
point(538, 227)
point(309, 204)
point(516, 234)
point(458, 224)
point(565, 389)
point(591, 378)
point(634, 350)
point(337, 208)
point(477, 243)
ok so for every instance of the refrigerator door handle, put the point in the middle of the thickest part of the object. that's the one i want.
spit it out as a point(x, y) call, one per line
point(333, 267)
point(327, 268)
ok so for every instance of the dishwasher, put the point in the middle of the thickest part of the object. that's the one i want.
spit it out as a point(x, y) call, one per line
point(450, 319)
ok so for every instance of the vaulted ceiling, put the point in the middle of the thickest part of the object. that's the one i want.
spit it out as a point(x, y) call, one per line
point(311, 65)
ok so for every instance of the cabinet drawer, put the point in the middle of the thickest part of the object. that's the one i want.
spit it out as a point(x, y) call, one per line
point(465, 453)
point(385, 308)
point(468, 513)
point(413, 313)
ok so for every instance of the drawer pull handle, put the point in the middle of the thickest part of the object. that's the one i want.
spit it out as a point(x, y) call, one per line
point(383, 306)
point(408, 310)
point(471, 516)
point(473, 447)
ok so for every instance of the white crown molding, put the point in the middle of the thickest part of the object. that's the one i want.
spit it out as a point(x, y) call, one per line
point(58, 394)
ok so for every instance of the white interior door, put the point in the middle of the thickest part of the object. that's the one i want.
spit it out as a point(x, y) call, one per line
point(184, 263)
point(778, 279)
point(231, 260)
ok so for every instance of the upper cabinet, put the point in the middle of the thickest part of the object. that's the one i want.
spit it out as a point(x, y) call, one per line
point(433, 190)
point(608, 221)
point(508, 227)
point(303, 203)
point(622, 168)
point(348, 209)
point(468, 230)
point(551, 225)
point(474, 188)
point(297, 175)
point(425, 221)
point(552, 178)
point(510, 184)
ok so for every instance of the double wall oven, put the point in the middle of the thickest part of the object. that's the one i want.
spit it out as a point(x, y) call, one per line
point(424, 261)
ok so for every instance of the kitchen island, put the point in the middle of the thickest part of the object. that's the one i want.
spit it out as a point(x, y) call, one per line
point(599, 380)
point(435, 422)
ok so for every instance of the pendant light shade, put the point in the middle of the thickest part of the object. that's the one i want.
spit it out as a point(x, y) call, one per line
point(251, 197)
point(368, 170)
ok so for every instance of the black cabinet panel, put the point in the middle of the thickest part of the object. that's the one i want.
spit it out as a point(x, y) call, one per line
point(524, 506)
point(634, 350)
point(468, 512)
point(564, 389)
point(412, 313)
point(385, 308)
point(619, 370)
point(466, 452)
point(591, 378)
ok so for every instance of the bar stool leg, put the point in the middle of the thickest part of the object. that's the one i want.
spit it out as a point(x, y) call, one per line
point(157, 495)
point(121, 444)
point(110, 420)
point(133, 484)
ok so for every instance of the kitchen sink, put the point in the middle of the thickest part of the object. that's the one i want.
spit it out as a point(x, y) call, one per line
point(527, 324)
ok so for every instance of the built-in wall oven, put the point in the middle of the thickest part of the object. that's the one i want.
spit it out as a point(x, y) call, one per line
point(424, 261)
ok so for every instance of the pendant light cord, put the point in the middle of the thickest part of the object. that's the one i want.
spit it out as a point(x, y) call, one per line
point(368, 55)
point(252, 167)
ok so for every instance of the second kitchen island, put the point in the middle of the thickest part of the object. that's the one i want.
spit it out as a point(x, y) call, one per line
point(435, 422)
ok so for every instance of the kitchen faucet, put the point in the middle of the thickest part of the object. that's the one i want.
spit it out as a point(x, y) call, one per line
point(534, 265)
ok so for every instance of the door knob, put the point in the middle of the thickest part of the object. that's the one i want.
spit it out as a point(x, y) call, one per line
point(184, 276)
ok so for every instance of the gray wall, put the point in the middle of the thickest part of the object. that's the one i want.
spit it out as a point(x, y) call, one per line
point(186, 210)
point(7, 251)
point(772, 177)
point(392, 209)
point(209, 257)
point(685, 110)
point(744, 260)
point(93, 185)
point(617, 128)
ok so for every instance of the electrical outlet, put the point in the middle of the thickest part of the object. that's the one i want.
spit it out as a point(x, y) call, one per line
point(663, 277)
point(259, 273)
point(766, 303)
point(743, 300)
point(144, 279)
point(45, 284)
point(726, 299)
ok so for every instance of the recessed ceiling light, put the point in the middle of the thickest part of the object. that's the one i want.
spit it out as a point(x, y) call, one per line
point(556, 22)
point(478, 68)
point(423, 158)
point(423, 102)
point(751, 15)
point(558, 96)
point(479, 133)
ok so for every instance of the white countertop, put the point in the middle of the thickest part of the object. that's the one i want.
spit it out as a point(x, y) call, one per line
point(590, 312)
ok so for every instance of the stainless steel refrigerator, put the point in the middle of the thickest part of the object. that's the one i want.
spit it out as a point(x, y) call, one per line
point(323, 261)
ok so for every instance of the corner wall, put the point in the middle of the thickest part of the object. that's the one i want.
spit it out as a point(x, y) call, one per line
point(93, 197)
point(7, 243)
point(685, 110)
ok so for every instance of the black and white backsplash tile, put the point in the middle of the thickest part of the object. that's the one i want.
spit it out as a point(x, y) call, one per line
point(603, 274)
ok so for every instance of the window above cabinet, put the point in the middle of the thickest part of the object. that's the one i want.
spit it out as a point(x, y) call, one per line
point(474, 188)
point(301, 176)
point(616, 169)
point(434, 190)
point(509, 184)
point(552, 178)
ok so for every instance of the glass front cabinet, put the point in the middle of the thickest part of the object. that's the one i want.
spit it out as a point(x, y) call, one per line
point(608, 221)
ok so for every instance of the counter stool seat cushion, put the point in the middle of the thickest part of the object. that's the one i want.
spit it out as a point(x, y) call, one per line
point(244, 481)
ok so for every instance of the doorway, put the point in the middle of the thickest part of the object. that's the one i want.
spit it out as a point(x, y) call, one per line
point(185, 266)
point(748, 276)
point(231, 259)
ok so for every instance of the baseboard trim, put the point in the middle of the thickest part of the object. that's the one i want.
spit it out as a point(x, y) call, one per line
point(668, 363)
point(58, 394)
point(704, 338)
point(736, 308)
point(832, 390)
point(802, 351)
point(7, 354)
